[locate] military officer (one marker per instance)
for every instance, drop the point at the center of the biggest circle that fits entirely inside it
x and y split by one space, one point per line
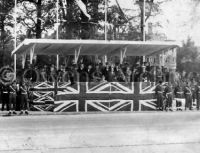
188 96
168 92
12 98
178 92
159 95
198 95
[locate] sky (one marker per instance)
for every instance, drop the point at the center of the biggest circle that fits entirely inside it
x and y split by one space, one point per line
179 19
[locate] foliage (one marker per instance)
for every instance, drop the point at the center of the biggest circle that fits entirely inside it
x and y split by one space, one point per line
6 43
187 57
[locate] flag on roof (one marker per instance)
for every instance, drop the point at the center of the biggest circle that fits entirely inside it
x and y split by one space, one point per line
83 8
121 11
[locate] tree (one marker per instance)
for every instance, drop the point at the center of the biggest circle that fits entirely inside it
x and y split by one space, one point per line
5 34
75 24
152 9
37 16
187 57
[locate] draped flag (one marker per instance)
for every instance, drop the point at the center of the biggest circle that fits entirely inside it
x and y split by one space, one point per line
121 11
83 8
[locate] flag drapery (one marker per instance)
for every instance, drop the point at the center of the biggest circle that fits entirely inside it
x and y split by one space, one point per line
121 11
83 8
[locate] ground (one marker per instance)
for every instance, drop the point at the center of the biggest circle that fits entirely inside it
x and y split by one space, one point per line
136 132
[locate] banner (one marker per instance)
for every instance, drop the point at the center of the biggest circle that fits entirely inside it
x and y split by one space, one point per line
83 8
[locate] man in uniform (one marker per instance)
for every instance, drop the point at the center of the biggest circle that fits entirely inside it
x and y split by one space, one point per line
198 95
24 100
193 89
5 97
12 98
178 92
168 92
21 98
159 95
188 96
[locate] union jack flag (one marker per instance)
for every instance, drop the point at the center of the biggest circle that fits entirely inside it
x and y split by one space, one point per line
102 96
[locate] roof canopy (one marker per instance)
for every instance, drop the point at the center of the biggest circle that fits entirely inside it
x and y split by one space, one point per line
92 47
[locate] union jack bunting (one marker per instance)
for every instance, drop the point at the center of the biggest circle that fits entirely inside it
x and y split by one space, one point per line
149 104
109 105
110 87
66 88
65 105
43 92
43 96
103 96
148 87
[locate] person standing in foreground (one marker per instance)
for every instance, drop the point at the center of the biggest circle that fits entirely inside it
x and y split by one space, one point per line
168 92
12 99
198 95
159 95
21 98
5 97
188 97
178 92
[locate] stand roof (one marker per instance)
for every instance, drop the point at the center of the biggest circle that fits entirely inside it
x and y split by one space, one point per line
92 47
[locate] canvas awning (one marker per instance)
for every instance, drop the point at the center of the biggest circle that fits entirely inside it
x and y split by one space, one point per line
91 47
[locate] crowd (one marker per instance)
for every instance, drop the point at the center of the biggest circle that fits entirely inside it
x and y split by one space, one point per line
110 72
188 90
17 96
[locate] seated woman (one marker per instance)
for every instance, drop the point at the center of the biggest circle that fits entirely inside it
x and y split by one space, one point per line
120 77
43 74
97 75
53 73
128 74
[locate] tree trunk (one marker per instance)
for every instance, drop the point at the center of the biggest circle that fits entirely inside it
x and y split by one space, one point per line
39 23
85 28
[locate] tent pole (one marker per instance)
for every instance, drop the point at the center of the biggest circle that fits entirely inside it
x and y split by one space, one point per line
121 57
106 59
143 34
106 12
57 20
15 45
15 66
57 62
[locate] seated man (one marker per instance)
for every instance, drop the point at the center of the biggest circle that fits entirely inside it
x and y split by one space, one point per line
97 75
120 77
83 76
128 74
90 72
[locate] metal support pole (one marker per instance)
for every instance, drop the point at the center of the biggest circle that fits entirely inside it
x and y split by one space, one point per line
143 35
15 42
106 16
57 62
57 26
144 6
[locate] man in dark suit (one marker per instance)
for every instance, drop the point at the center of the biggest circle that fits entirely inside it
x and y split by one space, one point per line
159 95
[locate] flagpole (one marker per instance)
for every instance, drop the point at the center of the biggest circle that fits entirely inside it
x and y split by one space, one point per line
143 34
57 35
57 20
144 6
106 18
15 41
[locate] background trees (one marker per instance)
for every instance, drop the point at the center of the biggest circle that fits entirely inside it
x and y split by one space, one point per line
188 57
6 26
37 19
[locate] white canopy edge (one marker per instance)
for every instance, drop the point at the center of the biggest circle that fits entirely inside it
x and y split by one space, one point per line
101 42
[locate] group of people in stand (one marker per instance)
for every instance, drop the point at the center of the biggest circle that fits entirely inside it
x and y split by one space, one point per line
15 97
110 72
184 89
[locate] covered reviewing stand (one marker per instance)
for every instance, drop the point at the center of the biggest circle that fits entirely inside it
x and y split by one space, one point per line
93 96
